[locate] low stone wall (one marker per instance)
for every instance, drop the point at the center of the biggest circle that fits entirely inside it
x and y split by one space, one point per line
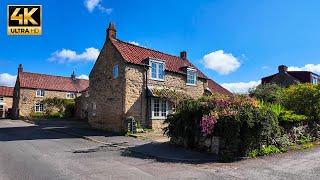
208 144
158 125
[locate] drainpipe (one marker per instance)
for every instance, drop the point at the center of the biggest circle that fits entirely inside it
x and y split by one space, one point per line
146 68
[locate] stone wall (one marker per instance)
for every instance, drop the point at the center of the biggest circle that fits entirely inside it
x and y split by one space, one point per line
28 99
106 93
82 106
136 102
207 144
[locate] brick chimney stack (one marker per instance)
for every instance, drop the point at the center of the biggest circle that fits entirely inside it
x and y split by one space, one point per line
183 55
20 69
282 69
73 76
111 31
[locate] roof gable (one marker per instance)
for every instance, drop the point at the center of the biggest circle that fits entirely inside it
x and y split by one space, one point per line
302 76
50 82
137 55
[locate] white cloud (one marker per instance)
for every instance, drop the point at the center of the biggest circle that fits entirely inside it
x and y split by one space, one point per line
83 76
69 56
221 62
315 68
241 87
134 43
92 4
7 79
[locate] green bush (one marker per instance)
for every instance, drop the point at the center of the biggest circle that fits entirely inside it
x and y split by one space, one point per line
254 153
305 139
284 116
270 93
307 146
267 150
58 108
264 151
303 99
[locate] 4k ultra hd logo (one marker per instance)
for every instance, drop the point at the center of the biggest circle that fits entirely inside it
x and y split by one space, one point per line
24 19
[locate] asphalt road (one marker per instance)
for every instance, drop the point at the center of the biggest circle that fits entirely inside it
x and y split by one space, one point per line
33 152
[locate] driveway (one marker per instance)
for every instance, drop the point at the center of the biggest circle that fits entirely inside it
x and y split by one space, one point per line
36 152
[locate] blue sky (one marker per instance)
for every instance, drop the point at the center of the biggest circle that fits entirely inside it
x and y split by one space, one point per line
233 42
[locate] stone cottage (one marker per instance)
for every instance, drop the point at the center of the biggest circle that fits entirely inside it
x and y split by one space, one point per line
285 78
31 88
125 76
6 94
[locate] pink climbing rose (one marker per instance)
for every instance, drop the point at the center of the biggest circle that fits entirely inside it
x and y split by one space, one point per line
207 124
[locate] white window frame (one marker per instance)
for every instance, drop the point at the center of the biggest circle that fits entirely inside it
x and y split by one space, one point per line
38 105
315 79
115 71
160 116
40 93
1 99
157 63
69 94
195 76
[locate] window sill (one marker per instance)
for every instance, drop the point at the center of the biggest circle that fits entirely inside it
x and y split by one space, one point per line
39 96
162 80
158 118
188 84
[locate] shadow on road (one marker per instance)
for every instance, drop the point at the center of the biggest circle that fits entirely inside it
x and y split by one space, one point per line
45 130
166 152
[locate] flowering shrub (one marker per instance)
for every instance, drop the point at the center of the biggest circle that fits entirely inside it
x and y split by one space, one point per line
207 124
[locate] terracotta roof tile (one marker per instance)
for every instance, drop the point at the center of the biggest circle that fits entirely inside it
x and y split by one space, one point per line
6 91
216 88
137 55
50 82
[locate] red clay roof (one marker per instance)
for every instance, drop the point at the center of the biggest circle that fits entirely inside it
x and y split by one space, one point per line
137 55
216 88
50 82
6 91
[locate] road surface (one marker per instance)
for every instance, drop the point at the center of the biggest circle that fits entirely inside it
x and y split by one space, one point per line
33 152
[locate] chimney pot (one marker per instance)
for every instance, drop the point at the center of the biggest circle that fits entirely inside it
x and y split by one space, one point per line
183 55
282 69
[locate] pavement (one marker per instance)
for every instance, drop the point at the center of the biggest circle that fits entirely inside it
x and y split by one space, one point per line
29 151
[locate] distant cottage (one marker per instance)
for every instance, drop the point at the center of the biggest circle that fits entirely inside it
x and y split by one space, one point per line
31 88
285 78
6 94
125 78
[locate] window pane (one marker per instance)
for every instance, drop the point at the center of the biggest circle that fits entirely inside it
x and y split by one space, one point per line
156 107
191 77
153 70
160 71
163 108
